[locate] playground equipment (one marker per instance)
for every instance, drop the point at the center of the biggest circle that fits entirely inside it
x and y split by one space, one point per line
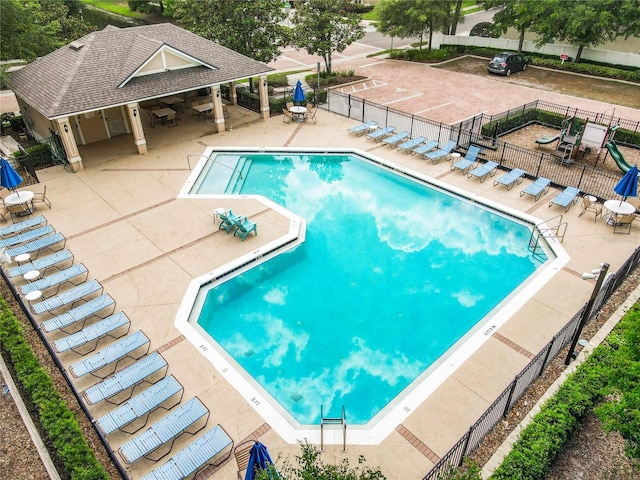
617 156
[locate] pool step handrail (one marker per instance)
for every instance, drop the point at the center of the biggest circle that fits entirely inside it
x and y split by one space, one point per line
342 421
557 231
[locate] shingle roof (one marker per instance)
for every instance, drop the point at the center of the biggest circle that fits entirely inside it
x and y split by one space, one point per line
69 81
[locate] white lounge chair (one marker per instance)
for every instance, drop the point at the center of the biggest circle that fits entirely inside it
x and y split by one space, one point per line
68 297
57 279
26 236
36 246
80 313
94 332
165 430
195 456
112 354
24 225
128 377
41 264
537 188
140 406
363 128
511 178
484 170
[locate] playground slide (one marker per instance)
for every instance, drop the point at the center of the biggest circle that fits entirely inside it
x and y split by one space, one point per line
617 156
547 140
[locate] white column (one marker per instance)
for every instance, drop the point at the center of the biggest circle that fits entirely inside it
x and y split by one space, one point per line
136 127
69 143
264 97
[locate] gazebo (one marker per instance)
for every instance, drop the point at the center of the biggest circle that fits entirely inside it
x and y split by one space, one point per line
92 89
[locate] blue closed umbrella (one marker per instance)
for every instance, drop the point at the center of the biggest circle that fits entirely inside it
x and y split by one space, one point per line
628 184
298 93
259 459
9 178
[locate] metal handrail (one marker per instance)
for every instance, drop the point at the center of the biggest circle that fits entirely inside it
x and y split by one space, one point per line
342 421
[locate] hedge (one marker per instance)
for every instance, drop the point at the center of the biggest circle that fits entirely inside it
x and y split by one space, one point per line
57 420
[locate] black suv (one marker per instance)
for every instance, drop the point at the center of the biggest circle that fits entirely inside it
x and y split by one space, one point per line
506 63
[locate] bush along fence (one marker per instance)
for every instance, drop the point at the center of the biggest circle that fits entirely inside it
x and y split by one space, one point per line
485 131
589 179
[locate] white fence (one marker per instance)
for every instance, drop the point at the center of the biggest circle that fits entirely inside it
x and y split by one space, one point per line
603 56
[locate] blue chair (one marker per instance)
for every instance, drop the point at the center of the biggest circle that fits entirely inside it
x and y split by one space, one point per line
244 226
26 236
41 264
35 246
409 145
427 147
195 456
57 279
363 128
465 164
537 188
80 313
395 139
140 406
23 225
112 354
68 297
483 171
165 430
128 377
566 198
378 135
511 178
228 221
94 332
442 153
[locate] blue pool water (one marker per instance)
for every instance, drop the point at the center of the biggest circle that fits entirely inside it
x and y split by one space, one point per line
392 273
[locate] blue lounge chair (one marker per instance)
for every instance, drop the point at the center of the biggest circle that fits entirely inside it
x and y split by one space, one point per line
483 171
363 128
537 188
27 236
442 153
112 354
427 147
140 406
57 279
68 297
228 221
80 313
94 332
128 377
511 178
195 456
35 246
465 164
395 139
244 226
41 264
566 198
409 145
23 225
378 135
165 430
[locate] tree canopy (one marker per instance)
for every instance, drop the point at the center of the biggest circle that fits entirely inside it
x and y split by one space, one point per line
33 29
249 27
323 27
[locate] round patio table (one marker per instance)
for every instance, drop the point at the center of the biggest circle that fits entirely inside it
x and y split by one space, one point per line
616 207
299 112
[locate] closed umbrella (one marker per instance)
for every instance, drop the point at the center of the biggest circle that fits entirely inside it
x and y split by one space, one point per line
628 184
259 459
9 178
298 93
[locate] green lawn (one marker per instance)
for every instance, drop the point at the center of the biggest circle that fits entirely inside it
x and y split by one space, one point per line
114 6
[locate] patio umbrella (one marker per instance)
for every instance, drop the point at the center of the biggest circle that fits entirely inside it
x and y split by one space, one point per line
298 93
259 459
9 178
628 184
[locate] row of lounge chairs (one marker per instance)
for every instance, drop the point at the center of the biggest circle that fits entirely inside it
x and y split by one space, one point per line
79 315
240 225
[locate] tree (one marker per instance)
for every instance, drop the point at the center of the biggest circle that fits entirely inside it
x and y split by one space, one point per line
32 29
457 16
323 27
411 18
249 27
519 14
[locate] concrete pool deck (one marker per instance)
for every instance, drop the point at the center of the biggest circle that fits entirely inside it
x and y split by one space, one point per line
123 221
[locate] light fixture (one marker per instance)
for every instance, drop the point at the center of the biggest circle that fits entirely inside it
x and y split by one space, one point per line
218 94
600 274
135 112
66 128
264 83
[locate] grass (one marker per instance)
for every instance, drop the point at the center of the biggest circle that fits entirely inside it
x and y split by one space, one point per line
114 6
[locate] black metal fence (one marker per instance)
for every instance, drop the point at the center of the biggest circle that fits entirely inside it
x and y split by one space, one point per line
589 179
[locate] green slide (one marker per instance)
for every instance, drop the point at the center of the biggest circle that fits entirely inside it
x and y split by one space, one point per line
617 156
547 140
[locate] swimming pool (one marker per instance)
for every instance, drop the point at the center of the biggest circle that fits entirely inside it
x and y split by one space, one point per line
414 281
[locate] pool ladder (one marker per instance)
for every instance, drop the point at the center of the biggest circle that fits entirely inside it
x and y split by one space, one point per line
342 421
558 231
